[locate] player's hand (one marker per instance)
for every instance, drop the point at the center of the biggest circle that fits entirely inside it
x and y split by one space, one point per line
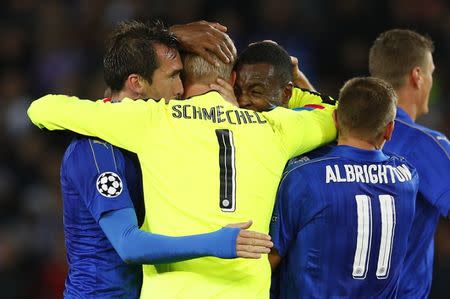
206 39
300 79
251 244
226 90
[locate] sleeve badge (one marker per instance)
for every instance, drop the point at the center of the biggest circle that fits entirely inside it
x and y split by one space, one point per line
109 184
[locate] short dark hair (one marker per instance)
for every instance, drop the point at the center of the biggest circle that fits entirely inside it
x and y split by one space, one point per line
269 53
395 52
130 50
366 106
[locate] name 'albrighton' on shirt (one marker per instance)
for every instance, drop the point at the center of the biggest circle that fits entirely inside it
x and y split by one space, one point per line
373 174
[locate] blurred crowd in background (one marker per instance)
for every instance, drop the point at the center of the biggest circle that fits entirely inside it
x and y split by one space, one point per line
57 47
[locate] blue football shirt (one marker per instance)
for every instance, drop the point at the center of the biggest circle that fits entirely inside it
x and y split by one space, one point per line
341 223
97 178
429 152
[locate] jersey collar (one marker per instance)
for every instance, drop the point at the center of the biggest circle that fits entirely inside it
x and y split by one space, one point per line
402 115
353 153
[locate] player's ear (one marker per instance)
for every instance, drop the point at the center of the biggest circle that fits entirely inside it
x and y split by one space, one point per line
335 119
133 83
389 130
287 93
233 78
416 77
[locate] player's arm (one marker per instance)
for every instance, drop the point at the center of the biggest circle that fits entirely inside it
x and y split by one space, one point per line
136 246
305 130
122 124
434 172
304 98
97 172
303 93
274 259
206 39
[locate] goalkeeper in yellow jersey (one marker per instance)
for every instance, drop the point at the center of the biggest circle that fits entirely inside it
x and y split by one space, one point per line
205 163
100 183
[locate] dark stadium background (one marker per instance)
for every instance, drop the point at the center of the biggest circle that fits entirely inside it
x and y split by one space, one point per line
56 47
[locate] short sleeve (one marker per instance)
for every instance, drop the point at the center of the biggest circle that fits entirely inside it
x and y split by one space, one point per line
96 170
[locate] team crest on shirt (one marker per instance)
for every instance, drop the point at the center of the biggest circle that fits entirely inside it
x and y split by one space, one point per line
109 184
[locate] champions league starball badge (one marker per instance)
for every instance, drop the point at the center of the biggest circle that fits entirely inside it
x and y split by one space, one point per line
109 184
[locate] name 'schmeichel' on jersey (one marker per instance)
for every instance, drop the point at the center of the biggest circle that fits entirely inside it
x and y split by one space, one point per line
218 114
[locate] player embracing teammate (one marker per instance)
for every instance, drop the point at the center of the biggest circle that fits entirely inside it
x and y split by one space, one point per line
343 213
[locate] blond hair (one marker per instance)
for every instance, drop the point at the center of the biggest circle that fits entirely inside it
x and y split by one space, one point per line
198 70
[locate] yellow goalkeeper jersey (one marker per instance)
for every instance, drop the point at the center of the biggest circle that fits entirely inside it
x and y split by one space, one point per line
205 163
304 97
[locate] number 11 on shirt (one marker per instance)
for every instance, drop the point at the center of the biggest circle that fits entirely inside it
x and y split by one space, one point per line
364 237
227 166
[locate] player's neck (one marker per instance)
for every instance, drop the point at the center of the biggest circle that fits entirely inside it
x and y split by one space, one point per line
195 89
118 96
358 143
406 102
410 109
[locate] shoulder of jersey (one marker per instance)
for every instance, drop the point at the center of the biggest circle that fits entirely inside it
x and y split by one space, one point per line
88 143
99 144
424 134
318 155
395 156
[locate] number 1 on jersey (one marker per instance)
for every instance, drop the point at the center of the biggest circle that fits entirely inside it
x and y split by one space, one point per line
364 236
227 166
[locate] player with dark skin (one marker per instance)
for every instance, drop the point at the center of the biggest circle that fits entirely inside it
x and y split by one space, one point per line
258 86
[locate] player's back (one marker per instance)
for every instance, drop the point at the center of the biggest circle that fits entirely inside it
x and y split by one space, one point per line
429 152
95 268
341 224
215 185
227 163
